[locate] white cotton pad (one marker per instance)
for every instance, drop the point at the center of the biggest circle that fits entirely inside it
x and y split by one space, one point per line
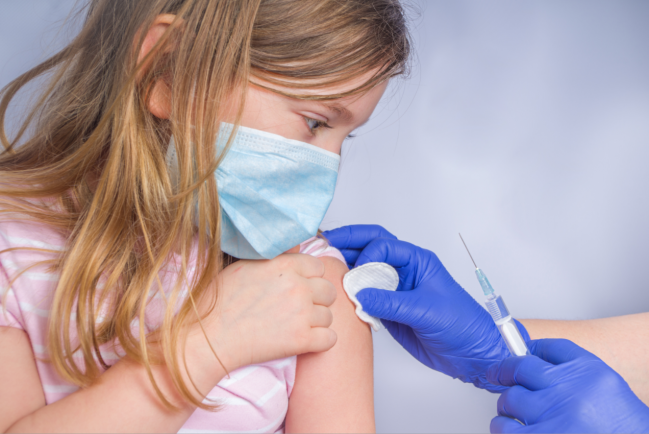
371 275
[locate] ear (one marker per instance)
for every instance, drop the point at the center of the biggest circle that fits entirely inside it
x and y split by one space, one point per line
159 102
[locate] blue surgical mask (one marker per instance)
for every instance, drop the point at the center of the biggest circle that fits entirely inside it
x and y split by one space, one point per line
274 192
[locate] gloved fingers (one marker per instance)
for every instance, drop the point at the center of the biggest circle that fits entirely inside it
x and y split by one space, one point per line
413 264
389 305
519 403
400 332
389 250
356 236
502 424
527 371
557 351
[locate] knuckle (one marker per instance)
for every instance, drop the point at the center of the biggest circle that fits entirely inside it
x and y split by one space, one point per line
330 291
505 401
607 379
501 403
284 262
333 338
330 338
319 265
303 338
329 317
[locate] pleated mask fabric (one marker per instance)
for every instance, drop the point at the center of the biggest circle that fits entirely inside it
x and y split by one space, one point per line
273 191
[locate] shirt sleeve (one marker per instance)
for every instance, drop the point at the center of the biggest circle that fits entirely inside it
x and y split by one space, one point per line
9 306
319 247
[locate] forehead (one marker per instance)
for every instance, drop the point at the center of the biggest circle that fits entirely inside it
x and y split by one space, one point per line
317 90
347 108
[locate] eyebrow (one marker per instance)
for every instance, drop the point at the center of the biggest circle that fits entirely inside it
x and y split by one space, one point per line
340 111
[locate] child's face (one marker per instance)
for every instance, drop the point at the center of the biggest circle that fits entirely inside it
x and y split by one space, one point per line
322 124
309 121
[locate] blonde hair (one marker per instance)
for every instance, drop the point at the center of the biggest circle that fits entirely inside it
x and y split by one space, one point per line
89 159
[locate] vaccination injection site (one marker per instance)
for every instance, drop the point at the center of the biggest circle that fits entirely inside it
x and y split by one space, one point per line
280 215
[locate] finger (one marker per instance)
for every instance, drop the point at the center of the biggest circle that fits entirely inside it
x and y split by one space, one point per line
305 265
321 316
356 236
505 424
321 339
391 251
557 351
400 332
323 291
527 371
388 305
410 261
519 403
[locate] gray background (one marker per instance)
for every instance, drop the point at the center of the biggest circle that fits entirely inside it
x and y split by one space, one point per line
525 125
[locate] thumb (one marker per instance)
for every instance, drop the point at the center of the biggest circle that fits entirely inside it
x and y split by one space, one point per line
527 371
505 424
558 351
389 305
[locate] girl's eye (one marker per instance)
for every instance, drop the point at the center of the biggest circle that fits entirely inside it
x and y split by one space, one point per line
315 124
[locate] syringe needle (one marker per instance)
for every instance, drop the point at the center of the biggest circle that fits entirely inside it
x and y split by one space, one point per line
467 250
500 314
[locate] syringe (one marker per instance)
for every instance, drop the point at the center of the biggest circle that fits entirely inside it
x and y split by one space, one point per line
500 314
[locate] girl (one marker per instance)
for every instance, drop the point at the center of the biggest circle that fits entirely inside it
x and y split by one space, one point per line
125 307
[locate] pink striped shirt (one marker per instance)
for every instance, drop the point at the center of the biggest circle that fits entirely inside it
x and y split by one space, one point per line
255 397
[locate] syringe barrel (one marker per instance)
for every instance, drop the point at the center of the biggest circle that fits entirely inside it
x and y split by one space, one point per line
506 325
496 307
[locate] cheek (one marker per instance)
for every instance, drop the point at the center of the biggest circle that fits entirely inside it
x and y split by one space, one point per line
329 142
336 147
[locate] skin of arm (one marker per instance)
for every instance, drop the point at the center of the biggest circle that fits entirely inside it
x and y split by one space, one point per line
621 342
334 390
123 400
290 315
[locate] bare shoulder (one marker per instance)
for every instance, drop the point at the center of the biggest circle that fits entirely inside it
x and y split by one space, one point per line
345 319
333 390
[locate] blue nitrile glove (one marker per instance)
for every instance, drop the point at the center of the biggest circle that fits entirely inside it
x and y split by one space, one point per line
430 315
564 389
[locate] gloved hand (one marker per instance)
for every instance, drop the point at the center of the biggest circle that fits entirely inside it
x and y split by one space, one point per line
564 389
430 315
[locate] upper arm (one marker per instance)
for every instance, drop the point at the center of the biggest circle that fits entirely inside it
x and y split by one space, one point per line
334 390
21 392
622 342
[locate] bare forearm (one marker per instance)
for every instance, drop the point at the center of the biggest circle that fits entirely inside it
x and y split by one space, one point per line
622 342
123 400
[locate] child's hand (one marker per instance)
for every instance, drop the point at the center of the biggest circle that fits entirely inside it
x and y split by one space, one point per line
267 310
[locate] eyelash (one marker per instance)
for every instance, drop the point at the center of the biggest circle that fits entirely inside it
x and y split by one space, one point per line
320 124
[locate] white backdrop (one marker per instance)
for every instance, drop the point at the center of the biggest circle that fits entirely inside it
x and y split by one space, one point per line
525 125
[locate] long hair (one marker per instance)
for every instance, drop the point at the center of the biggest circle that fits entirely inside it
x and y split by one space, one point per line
89 158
